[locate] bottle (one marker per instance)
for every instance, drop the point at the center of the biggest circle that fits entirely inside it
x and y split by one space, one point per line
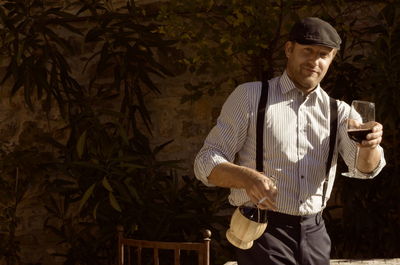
247 224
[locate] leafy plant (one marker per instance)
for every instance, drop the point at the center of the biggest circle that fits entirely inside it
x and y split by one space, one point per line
227 41
127 46
108 171
113 180
20 169
35 53
106 161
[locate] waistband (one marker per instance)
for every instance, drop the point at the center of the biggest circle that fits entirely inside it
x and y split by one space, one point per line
272 217
282 218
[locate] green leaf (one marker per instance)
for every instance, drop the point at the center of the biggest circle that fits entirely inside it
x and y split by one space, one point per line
114 203
71 28
123 134
107 185
86 196
158 148
28 88
80 145
105 56
95 210
51 35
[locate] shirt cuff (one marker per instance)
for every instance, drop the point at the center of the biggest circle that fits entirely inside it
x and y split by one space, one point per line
205 164
376 171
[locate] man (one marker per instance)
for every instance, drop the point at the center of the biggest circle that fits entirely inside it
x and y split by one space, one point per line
296 146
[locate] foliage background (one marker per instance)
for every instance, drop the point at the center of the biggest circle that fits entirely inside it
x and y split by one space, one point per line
95 160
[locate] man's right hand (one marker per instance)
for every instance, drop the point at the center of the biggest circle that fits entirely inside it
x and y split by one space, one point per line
260 188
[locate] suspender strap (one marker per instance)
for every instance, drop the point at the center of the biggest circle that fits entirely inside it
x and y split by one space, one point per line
260 134
262 104
332 140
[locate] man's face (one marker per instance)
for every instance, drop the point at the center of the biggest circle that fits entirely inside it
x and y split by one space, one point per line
307 64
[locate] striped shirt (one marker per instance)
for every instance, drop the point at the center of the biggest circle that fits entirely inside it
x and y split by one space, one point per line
296 143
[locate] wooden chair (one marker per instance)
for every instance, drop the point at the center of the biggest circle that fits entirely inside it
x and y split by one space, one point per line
126 245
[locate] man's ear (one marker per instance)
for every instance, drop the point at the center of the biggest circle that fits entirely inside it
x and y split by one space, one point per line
334 53
289 46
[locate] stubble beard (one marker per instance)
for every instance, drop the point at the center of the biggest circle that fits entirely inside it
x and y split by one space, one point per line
303 82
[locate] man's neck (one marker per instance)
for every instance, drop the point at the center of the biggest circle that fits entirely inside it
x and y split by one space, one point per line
304 90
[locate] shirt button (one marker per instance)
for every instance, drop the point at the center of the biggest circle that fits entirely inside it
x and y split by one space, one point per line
302 177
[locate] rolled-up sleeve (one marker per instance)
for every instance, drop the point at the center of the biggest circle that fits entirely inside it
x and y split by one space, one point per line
376 171
226 137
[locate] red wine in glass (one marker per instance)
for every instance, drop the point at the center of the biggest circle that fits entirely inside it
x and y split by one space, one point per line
359 124
359 135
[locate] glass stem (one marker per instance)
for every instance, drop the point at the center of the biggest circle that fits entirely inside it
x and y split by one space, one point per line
355 161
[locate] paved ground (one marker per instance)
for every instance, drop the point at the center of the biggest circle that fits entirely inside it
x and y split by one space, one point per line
367 262
353 262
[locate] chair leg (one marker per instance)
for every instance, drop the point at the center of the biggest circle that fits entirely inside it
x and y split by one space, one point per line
156 258
177 257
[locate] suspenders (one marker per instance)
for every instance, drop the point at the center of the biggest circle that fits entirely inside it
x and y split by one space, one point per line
262 105
260 134
332 140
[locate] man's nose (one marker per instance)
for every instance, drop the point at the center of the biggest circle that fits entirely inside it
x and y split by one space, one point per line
313 59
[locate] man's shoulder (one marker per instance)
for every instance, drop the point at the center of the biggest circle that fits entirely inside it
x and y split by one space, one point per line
247 90
250 85
257 84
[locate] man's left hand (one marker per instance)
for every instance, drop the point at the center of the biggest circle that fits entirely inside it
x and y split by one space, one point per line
374 138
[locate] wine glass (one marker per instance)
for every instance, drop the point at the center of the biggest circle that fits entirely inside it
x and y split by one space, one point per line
359 125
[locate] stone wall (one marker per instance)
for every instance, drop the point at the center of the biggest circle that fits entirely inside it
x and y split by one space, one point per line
186 123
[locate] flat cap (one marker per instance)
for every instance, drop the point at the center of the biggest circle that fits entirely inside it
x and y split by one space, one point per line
315 31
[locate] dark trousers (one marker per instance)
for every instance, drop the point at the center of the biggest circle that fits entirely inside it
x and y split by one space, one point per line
289 240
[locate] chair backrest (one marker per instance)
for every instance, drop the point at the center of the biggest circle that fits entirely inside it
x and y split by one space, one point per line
128 248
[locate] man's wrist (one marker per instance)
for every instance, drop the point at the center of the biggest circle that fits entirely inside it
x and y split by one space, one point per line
368 159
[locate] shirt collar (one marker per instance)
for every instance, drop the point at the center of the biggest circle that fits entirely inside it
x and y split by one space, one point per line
287 85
